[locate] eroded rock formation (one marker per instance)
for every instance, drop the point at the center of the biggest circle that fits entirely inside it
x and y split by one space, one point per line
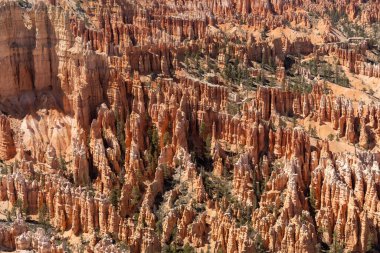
153 126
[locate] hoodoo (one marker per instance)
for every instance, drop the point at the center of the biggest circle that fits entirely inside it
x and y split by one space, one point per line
229 126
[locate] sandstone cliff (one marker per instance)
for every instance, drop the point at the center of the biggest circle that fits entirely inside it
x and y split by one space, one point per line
214 126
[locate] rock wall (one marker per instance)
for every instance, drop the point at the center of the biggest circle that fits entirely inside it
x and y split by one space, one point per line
104 129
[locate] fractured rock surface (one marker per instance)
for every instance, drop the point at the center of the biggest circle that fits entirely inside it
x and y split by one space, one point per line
201 126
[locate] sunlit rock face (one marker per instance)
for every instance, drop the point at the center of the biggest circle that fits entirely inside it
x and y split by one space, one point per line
199 126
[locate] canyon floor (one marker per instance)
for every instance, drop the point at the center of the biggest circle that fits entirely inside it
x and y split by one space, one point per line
224 126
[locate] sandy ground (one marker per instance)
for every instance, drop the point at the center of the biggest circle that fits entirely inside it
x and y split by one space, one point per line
359 84
323 132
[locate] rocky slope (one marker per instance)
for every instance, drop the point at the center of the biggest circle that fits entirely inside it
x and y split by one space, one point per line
189 126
